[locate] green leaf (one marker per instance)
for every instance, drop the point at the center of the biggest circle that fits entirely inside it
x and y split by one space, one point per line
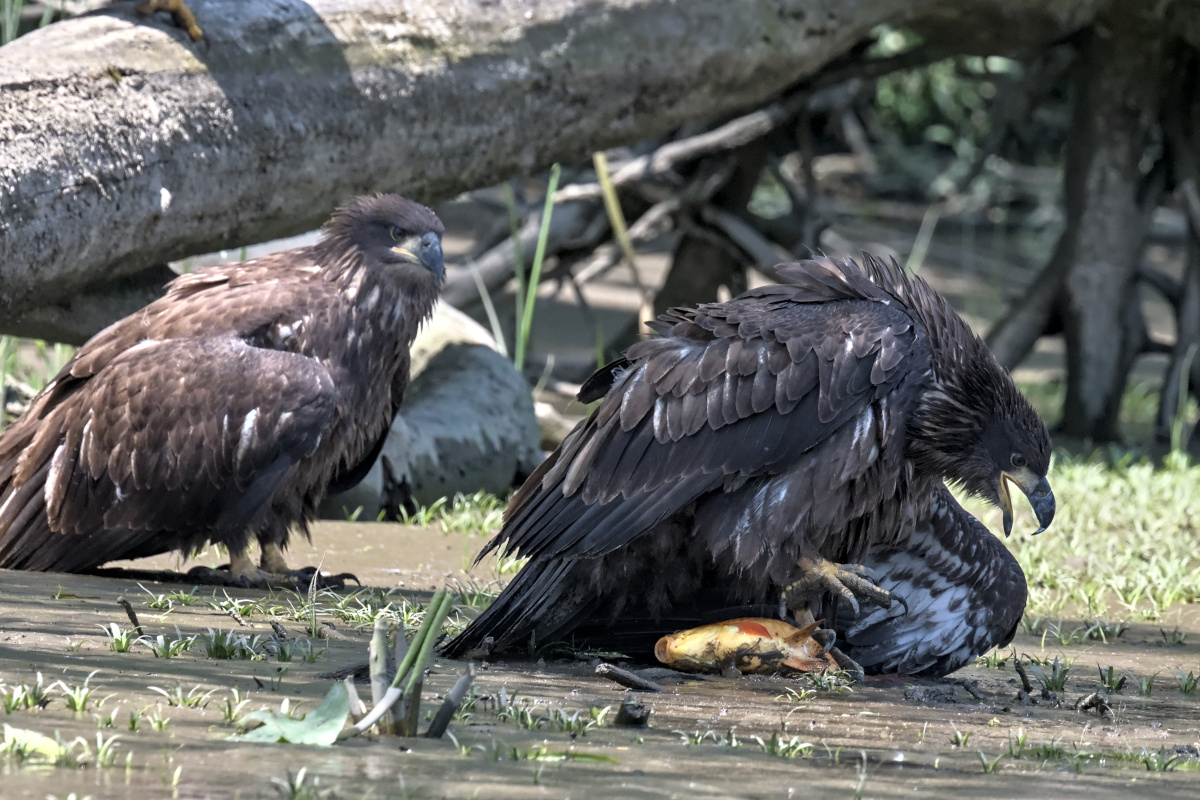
30 745
320 727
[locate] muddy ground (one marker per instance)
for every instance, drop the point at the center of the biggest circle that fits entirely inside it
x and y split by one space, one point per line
884 729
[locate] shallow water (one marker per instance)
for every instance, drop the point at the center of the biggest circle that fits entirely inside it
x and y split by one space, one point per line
906 745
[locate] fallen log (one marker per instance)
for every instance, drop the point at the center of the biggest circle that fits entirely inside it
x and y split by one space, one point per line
123 145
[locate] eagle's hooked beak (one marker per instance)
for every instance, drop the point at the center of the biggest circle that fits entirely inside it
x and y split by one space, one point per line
425 250
1036 489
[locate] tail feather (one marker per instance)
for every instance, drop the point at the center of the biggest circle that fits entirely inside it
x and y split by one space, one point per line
28 542
534 607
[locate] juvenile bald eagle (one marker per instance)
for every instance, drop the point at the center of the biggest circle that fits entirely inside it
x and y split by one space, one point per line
788 447
224 411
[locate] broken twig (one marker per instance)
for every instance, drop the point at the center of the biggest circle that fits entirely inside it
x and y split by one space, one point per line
137 626
453 700
627 678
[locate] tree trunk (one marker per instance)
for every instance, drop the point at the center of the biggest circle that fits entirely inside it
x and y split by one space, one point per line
79 317
1117 92
1181 126
123 146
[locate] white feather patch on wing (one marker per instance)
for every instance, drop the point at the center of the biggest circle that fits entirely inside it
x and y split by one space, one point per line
247 435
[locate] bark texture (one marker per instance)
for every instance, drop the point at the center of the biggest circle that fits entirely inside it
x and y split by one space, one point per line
122 145
1116 113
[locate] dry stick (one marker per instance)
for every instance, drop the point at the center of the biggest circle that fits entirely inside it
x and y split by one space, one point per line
734 133
400 646
644 228
418 652
707 183
453 700
377 666
765 253
971 687
1025 684
358 708
627 678
137 626
410 714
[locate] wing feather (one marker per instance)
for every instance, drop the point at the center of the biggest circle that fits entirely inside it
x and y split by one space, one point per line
782 381
120 464
965 594
615 459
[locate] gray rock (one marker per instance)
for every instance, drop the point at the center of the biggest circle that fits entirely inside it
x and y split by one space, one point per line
467 423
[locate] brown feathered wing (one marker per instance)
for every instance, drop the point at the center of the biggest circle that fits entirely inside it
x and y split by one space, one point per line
117 459
730 394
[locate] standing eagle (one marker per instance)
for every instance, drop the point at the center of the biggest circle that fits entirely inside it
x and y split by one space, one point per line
788 447
224 411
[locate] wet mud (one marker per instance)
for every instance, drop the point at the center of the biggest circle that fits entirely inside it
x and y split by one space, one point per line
892 737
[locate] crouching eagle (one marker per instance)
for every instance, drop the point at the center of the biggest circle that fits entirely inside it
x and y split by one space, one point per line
224 411
788 447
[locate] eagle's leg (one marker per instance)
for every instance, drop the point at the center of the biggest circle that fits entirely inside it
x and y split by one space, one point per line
271 572
848 664
181 15
827 637
272 559
847 581
274 571
243 571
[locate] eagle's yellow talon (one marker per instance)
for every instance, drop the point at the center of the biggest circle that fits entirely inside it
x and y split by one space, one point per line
847 581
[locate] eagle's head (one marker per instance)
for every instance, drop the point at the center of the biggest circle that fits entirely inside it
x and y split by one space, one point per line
390 232
1013 447
977 430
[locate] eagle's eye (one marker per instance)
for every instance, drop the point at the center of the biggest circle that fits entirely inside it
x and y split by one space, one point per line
396 233
1018 460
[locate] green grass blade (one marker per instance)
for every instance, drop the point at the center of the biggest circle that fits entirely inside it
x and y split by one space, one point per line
438 612
490 310
924 236
421 635
514 229
535 272
612 205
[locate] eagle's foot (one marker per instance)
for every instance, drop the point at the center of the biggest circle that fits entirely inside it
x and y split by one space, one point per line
302 579
273 573
274 568
181 16
299 580
847 581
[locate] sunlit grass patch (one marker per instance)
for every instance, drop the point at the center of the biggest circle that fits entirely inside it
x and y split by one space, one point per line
478 514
